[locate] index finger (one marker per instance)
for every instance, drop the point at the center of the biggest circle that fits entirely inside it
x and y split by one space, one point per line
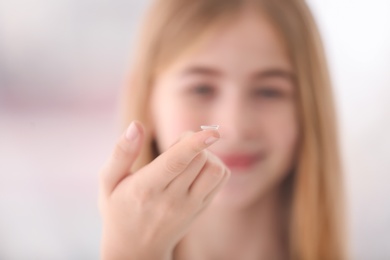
177 158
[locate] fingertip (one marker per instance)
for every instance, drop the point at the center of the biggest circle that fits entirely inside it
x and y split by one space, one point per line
139 125
123 156
228 173
134 131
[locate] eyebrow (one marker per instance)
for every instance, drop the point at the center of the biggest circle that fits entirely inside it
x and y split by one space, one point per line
264 74
201 70
275 73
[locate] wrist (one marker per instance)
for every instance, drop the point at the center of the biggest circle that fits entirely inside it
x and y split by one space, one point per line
113 248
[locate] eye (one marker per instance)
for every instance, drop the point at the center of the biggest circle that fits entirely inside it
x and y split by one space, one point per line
203 90
267 92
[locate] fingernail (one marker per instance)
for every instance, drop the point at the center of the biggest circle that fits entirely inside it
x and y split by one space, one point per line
211 140
132 132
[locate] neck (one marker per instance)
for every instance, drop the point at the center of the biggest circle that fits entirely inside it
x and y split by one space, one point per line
256 232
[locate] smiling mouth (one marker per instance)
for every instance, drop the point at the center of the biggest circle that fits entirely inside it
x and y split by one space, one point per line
240 161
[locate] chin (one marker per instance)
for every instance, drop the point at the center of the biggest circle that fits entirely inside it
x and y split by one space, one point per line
232 198
246 190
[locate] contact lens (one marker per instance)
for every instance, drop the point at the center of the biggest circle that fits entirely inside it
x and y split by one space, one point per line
209 127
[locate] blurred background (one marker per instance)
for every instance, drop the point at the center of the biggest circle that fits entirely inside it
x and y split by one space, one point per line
62 64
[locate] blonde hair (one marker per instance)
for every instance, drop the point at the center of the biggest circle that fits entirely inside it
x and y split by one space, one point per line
175 26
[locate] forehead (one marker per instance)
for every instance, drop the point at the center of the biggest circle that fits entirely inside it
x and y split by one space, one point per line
249 43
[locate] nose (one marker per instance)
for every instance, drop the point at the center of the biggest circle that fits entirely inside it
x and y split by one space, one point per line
235 118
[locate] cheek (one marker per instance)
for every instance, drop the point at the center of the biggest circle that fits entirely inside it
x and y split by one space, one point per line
282 137
171 118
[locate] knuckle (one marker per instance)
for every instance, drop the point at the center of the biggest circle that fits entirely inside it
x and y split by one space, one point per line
142 195
201 158
195 202
121 151
216 169
174 167
170 206
197 147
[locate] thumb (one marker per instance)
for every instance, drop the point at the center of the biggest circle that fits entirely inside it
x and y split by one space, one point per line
125 153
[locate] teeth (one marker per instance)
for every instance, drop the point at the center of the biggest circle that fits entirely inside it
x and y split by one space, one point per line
208 127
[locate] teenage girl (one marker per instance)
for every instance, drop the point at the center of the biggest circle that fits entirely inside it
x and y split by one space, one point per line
267 183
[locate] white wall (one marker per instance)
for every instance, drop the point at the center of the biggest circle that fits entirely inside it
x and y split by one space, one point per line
61 65
357 38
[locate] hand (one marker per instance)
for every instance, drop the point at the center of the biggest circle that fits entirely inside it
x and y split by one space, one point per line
146 213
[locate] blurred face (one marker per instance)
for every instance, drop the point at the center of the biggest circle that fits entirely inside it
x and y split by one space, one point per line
241 79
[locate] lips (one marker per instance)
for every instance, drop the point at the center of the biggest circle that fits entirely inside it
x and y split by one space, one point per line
240 161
